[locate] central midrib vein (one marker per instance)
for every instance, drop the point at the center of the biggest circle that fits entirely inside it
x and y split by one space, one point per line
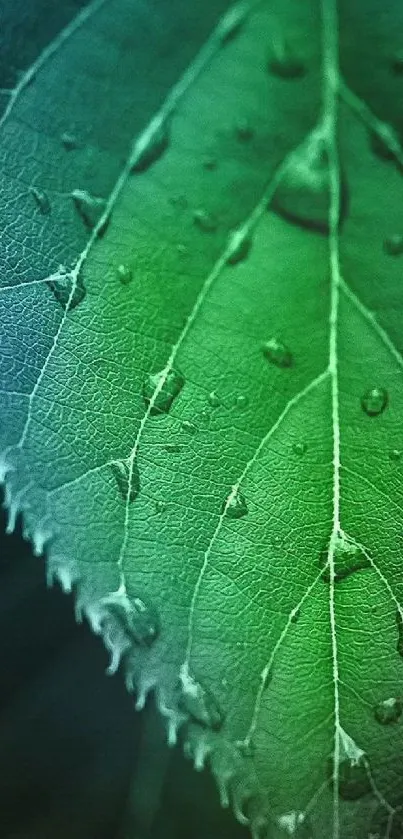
330 115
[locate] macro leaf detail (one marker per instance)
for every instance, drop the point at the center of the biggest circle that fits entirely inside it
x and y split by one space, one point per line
201 387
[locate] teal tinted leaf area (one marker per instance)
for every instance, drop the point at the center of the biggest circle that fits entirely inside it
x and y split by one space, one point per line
201 364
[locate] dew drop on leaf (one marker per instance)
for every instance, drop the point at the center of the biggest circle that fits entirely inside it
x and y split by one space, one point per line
395 454
89 208
139 617
161 402
299 448
244 131
303 194
125 274
189 426
239 246
284 63
347 557
172 447
41 200
62 287
295 615
121 471
393 245
199 702
234 507
160 506
69 141
374 401
205 221
213 399
353 769
388 710
209 163
151 147
278 353
241 401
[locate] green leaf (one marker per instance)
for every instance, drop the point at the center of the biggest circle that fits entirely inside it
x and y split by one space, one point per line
202 381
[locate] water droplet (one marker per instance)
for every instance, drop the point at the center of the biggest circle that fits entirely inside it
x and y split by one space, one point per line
151 146
69 141
171 388
172 447
41 200
160 506
239 246
354 778
121 471
125 274
399 623
209 163
199 702
278 353
89 208
294 824
299 448
395 454
374 401
189 426
244 131
388 710
62 286
348 558
139 617
283 63
235 506
393 245
295 615
213 399
241 401
205 221
230 26
304 192
384 142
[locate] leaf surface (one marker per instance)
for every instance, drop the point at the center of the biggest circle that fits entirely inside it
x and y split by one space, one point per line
201 381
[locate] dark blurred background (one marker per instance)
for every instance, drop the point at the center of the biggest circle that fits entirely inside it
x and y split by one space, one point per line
73 751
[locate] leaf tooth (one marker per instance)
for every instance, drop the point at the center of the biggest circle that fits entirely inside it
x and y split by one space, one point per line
174 719
40 538
13 505
232 776
62 570
198 746
144 688
7 465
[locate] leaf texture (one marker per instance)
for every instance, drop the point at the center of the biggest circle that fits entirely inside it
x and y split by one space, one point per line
202 381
